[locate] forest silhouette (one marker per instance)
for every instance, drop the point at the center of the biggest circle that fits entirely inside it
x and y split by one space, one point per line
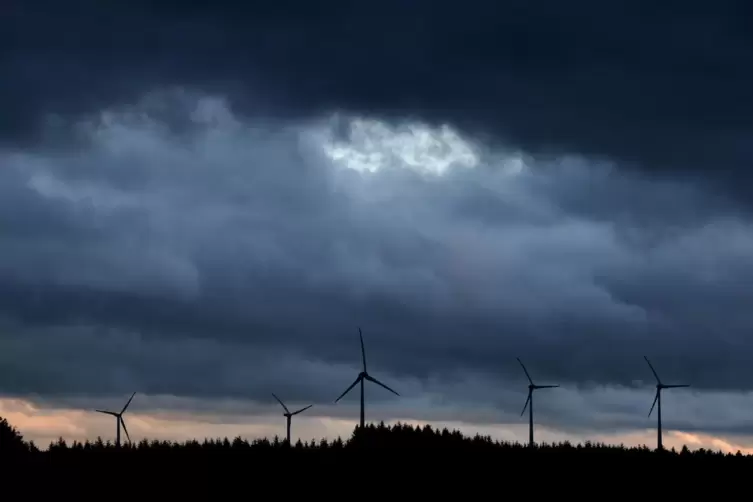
380 436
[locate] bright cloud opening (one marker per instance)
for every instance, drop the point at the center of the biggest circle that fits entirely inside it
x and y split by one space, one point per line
371 145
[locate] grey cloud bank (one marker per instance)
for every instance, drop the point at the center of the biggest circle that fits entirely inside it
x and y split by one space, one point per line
229 258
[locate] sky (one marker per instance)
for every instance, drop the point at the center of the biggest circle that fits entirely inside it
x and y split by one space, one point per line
203 204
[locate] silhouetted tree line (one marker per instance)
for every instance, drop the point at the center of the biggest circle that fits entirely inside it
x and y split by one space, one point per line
12 442
375 437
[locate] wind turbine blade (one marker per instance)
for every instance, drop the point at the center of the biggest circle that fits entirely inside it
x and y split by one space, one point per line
107 412
372 379
129 402
363 350
652 406
302 410
546 386
348 389
526 405
675 386
281 403
125 429
658 380
524 369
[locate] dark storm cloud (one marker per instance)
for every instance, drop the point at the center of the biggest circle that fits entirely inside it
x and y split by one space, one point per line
234 259
206 254
655 84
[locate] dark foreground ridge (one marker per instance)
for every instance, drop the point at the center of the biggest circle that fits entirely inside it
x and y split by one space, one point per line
411 461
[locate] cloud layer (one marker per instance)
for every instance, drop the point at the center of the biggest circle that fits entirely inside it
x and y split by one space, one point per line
204 203
184 250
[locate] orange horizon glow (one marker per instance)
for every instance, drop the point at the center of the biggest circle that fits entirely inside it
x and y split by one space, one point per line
44 426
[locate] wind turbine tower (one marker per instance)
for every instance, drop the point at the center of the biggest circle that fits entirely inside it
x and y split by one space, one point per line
657 400
529 402
119 421
288 415
362 376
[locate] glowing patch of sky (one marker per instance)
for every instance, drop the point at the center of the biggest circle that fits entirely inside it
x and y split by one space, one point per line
372 145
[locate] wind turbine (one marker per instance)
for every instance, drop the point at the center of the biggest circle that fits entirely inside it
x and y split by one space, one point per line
657 399
119 420
529 402
363 375
289 415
